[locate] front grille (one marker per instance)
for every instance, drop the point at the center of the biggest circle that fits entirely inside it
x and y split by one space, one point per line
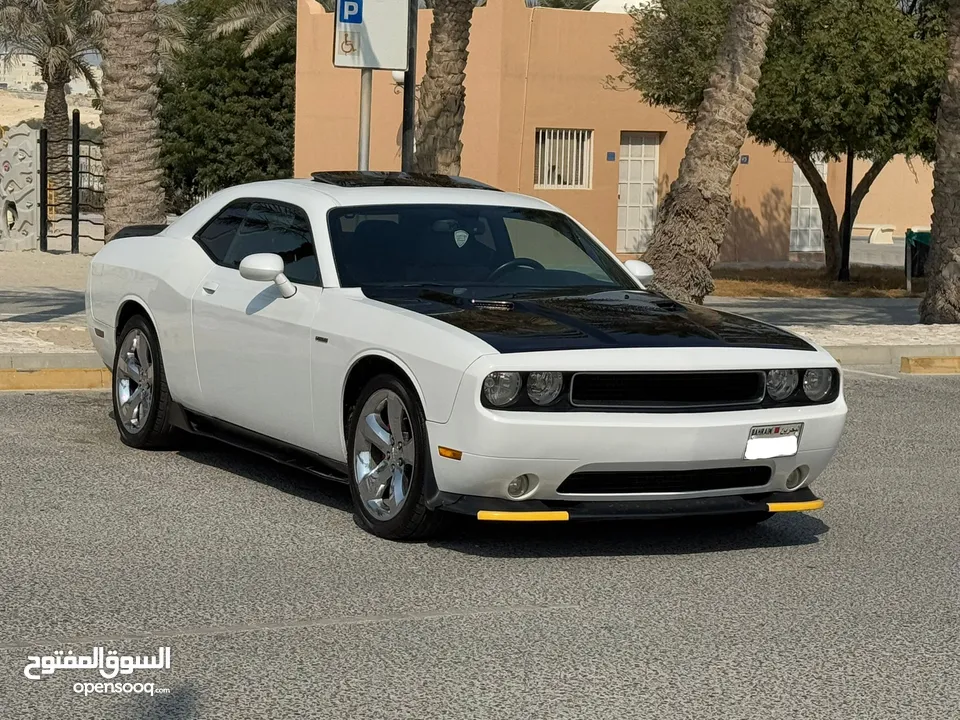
660 481
667 391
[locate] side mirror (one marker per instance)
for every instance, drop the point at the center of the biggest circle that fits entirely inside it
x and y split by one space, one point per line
640 270
267 267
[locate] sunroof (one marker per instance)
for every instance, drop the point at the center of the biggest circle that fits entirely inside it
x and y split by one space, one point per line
358 178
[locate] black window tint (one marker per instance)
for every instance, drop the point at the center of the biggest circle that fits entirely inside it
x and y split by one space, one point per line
217 236
280 229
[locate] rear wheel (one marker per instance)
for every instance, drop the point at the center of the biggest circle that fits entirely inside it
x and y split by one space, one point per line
390 462
141 401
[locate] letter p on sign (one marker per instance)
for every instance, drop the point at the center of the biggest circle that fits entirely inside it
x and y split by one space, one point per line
351 11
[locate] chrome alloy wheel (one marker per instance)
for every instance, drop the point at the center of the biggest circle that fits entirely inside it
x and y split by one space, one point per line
133 382
384 454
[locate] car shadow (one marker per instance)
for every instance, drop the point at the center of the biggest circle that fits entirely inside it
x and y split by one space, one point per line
468 536
251 466
681 536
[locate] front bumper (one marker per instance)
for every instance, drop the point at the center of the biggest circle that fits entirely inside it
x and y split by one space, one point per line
540 511
492 448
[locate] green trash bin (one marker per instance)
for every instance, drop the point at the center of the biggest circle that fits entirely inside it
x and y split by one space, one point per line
915 252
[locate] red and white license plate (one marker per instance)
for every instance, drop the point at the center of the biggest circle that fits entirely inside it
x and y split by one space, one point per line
773 441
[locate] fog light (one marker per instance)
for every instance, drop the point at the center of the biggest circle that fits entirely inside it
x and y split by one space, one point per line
518 486
796 477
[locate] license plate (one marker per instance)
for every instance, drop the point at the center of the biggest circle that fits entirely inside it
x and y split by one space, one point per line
773 441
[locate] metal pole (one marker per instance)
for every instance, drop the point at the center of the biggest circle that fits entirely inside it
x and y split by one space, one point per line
366 96
410 89
75 188
44 189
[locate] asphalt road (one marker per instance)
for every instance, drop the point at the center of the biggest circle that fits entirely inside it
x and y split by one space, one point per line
276 606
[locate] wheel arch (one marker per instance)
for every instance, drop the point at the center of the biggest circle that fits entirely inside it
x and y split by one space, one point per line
126 309
362 369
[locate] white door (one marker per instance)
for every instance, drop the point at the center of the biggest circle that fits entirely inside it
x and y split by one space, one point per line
253 355
637 203
806 230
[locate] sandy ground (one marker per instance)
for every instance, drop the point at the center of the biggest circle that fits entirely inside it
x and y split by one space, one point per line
16 108
33 269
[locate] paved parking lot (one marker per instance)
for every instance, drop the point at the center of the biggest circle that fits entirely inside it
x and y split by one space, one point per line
276 606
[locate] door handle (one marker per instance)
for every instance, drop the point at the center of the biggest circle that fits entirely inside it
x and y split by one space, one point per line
210 287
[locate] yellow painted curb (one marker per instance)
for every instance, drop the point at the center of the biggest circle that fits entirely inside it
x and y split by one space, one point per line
930 365
55 379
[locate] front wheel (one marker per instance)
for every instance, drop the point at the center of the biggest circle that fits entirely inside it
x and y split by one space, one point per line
390 462
141 401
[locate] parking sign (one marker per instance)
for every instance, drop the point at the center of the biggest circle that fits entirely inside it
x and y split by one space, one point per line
371 34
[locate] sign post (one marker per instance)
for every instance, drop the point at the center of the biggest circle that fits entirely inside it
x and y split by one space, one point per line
370 35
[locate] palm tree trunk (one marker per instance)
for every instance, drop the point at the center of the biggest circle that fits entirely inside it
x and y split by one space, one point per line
692 219
442 95
133 192
941 304
57 122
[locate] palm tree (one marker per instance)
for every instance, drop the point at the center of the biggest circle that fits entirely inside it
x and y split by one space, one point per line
692 219
131 142
442 93
62 37
260 20
941 304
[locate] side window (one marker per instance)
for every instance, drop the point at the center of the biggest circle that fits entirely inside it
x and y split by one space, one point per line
218 234
554 249
270 227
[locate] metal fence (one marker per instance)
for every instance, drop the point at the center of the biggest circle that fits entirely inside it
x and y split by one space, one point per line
73 188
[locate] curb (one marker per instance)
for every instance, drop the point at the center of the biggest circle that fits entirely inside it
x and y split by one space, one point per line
55 379
930 365
889 354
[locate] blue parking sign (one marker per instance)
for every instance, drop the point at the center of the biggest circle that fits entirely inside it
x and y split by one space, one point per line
351 12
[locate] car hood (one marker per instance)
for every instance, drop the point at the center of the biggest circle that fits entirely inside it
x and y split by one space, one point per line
613 319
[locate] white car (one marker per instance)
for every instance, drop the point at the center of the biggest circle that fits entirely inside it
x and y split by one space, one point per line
444 347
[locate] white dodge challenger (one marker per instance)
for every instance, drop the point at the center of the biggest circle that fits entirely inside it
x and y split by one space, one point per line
444 347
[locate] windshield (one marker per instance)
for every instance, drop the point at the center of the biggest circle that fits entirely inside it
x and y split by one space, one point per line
491 251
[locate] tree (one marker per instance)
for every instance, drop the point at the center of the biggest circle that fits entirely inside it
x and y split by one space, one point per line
133 193
692 219
260 21
874 95
442 94
941 304
61 36
226 118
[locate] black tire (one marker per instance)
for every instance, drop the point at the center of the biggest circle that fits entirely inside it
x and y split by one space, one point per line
154 430
413 520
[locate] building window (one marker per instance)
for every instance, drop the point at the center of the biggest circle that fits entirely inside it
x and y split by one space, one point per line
563 159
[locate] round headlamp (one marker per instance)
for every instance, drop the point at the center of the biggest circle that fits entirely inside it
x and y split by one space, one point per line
501 388
544 387
782 383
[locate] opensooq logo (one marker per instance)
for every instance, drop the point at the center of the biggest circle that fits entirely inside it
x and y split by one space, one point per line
109 663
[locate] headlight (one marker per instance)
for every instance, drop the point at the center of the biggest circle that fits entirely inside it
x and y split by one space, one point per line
544 387
782 383
817 384
501 388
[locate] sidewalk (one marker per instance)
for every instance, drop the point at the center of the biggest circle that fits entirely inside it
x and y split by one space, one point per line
42 321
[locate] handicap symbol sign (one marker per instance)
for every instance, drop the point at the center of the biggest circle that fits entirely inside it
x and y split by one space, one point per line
351 11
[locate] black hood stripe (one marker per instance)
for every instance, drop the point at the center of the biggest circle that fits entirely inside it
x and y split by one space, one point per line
613 319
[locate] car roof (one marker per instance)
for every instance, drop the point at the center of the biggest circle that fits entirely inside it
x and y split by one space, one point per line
356 188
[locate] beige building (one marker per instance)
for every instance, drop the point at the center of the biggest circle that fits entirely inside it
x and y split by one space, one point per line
19 72
541 120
